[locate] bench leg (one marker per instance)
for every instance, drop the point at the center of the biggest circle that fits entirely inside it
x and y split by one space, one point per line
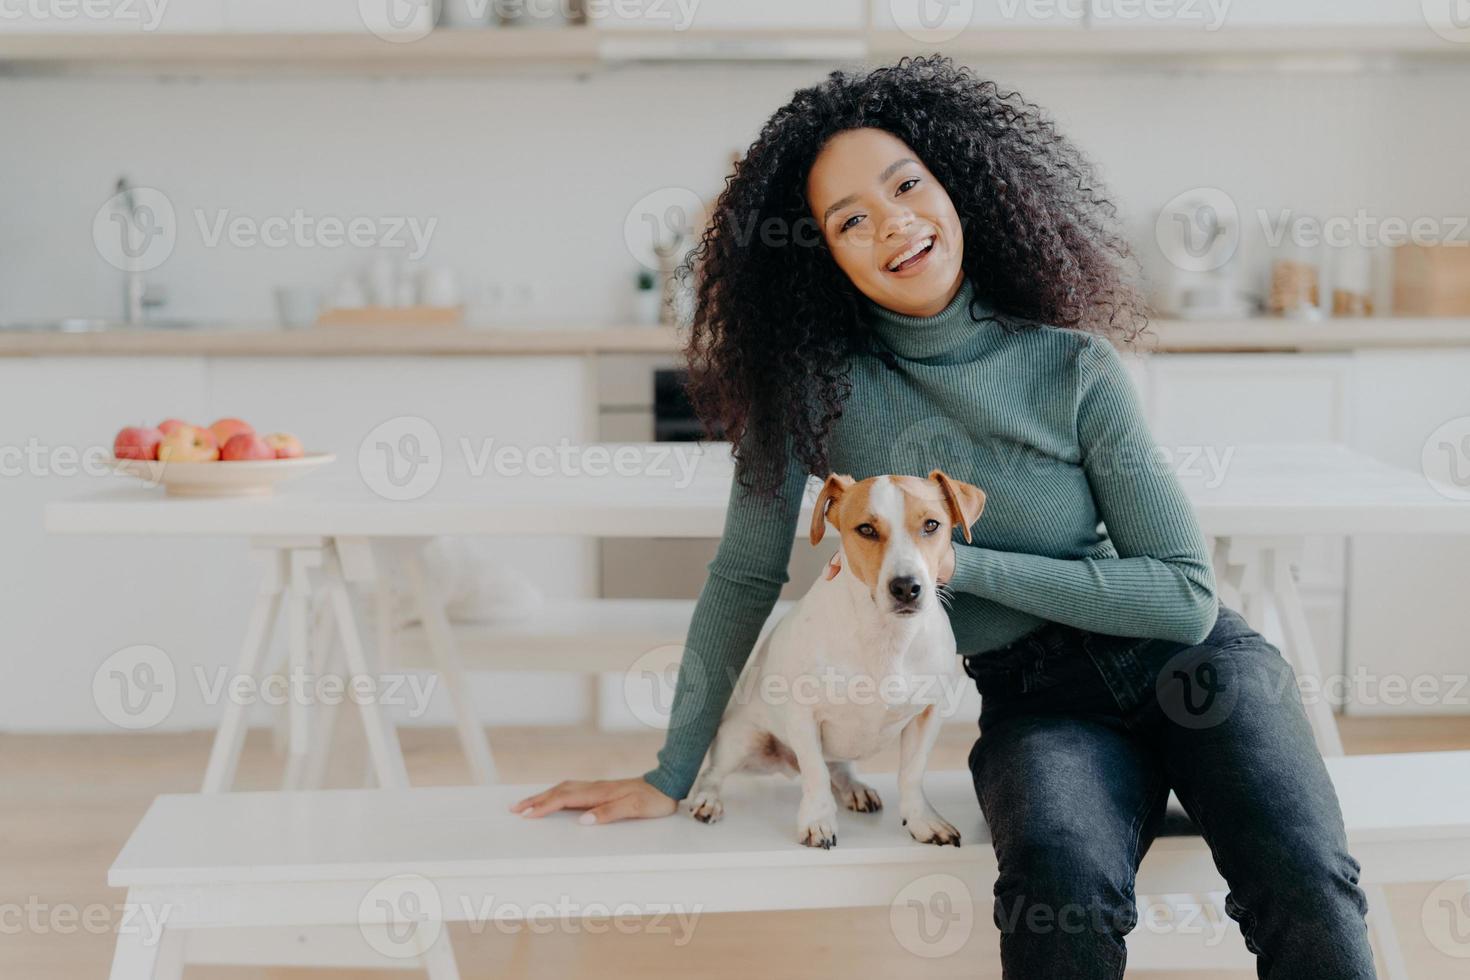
440 634
138 956
382 738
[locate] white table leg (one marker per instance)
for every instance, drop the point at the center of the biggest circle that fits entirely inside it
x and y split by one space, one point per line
224 756
382 738
299 651
325 661
440 635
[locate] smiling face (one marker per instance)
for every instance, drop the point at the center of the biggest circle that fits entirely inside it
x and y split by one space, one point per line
895 531
889 223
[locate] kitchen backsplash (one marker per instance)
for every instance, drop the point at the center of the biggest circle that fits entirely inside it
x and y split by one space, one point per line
522 185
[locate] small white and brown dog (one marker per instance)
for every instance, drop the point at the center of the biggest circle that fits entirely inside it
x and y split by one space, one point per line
864 656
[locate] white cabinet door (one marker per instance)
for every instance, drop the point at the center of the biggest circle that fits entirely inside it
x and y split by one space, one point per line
70 602
682 15
1407 630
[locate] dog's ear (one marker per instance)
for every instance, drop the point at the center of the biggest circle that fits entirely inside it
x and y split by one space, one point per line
964 501
832 492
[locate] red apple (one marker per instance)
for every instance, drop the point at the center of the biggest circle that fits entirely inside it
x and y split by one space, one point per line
246 445
285 445
136 442
189 444
225 429
169 426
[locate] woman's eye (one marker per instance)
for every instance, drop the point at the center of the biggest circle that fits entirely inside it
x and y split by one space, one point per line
907 184
849 223
930 526
867 530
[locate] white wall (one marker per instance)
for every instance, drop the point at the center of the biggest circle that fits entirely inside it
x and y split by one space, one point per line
530 179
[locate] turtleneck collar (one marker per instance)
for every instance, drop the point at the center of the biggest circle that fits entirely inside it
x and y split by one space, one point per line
923 337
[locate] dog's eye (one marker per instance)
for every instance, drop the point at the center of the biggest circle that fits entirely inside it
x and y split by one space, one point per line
867 530
930 526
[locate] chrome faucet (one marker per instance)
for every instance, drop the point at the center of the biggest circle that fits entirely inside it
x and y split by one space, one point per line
138 296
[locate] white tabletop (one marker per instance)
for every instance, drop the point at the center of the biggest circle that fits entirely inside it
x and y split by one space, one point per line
1265 489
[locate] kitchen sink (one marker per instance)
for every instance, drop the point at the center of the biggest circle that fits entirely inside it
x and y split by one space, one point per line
91 325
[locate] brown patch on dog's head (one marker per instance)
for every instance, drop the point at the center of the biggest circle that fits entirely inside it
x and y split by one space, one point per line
872 514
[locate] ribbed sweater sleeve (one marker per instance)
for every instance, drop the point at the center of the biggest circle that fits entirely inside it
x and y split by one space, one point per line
1162 583
745 579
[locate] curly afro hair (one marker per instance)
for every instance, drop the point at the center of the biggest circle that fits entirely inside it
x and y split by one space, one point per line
775 321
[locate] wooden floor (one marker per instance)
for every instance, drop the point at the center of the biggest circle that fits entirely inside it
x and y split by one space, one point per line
67 803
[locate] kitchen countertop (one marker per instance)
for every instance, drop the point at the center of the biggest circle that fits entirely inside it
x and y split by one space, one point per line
264 341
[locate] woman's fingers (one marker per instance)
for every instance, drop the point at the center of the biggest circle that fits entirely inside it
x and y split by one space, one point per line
577 796
539 798
621 808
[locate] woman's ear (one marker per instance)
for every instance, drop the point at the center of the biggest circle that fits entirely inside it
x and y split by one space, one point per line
831 493
964 501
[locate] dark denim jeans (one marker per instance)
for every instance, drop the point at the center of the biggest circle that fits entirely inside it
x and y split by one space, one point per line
1082 735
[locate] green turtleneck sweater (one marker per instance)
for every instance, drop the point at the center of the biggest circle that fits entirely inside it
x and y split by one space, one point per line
1084 524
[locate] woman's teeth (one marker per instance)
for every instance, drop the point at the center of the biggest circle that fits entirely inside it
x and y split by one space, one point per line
919 249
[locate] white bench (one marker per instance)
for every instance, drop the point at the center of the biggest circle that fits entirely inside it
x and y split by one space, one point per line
369 877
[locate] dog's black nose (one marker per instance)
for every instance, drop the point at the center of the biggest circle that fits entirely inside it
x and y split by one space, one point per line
904 589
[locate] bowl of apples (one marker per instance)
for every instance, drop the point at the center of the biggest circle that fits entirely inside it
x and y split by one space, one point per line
226 459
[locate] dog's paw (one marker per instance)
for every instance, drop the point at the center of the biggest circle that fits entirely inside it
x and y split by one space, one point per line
706 807
816 824
860 797
930 828
821 833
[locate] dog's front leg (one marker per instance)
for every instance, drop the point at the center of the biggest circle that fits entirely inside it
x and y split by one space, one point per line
919 816
816 818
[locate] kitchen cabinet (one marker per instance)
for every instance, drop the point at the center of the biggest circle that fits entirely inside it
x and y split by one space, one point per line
1406 599
69 602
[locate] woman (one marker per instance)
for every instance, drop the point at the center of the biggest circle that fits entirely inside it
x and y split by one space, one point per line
911 269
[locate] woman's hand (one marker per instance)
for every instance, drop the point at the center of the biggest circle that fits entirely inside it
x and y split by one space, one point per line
946 565
605 800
